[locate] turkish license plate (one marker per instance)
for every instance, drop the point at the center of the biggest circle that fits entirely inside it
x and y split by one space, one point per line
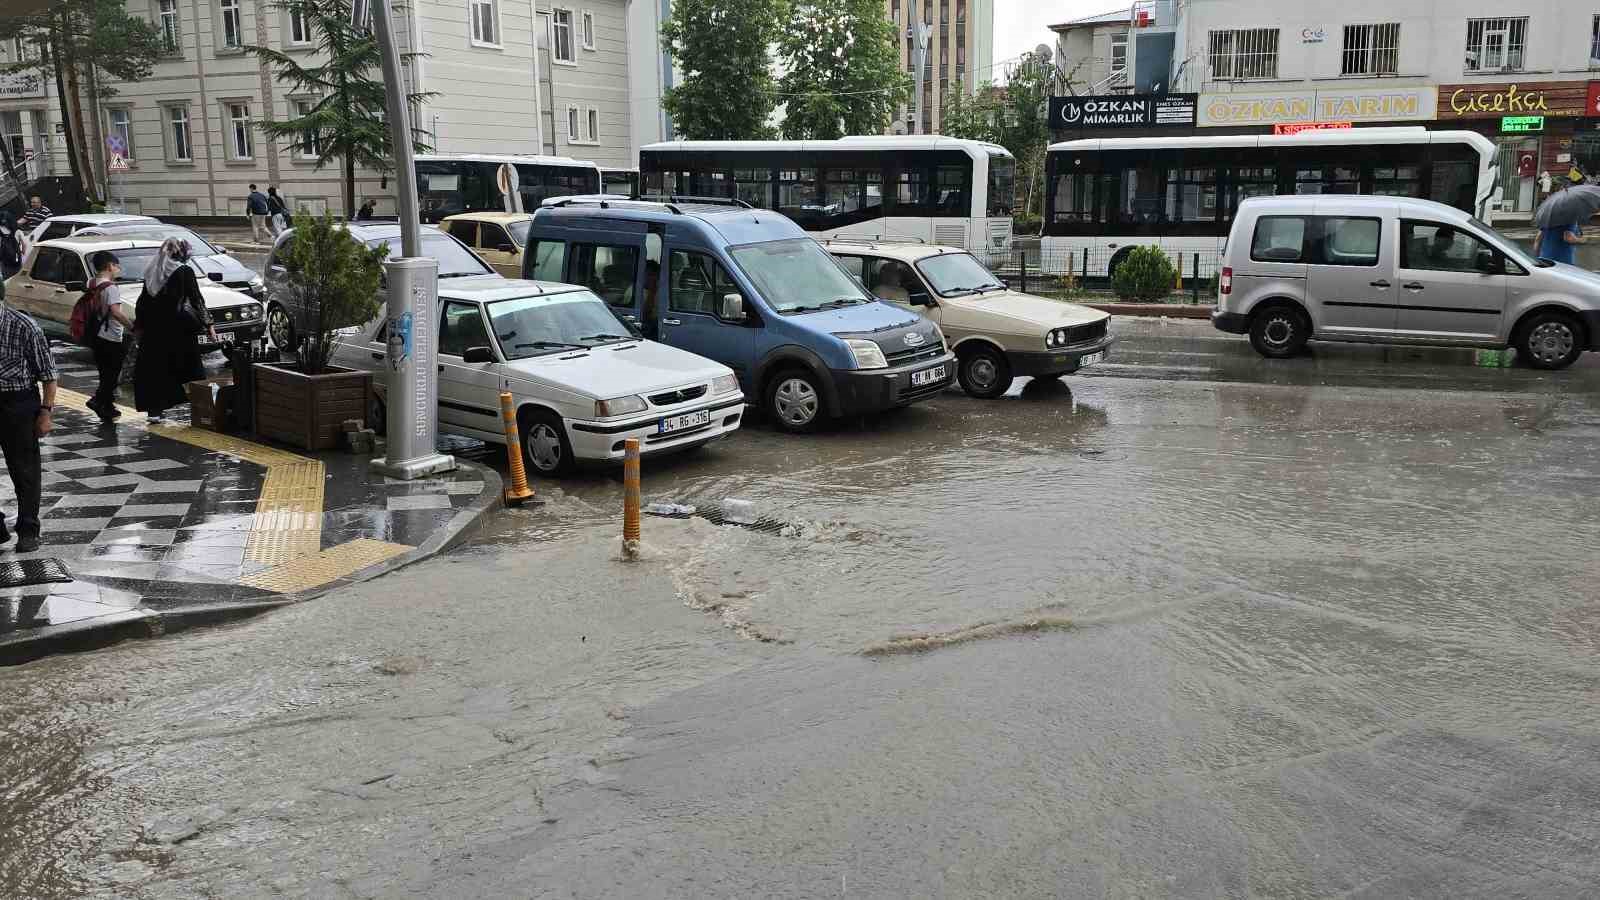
927 376
687 420
1091 359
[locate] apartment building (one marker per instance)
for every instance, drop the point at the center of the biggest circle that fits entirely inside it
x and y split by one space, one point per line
960 52
506 77
1091 54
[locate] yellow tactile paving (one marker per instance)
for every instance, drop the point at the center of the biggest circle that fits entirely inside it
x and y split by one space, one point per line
80 402
235 447
329 565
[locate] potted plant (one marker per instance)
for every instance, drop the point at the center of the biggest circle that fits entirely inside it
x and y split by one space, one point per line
335 279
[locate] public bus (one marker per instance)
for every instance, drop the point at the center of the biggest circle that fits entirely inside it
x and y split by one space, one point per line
927 188
619 182
453 183
1179 193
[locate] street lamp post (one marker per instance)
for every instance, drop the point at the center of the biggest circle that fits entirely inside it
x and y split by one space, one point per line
412 407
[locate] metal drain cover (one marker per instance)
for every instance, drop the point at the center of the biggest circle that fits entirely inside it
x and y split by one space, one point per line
23 572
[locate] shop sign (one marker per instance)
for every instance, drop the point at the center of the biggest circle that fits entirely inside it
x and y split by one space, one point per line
1495 101
1521 124
1291 107
21 84
1122 111
1297 127
1312 35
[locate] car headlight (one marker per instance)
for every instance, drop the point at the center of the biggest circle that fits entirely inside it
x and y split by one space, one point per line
724 384
1050 338
619 406
868 355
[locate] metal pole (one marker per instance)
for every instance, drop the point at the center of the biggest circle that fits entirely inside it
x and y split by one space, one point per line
405 181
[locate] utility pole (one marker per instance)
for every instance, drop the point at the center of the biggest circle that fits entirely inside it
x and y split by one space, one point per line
920 32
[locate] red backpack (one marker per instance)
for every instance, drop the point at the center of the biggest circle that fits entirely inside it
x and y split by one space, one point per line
88 314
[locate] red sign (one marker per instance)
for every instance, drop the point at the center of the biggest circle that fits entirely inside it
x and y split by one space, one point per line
1592 107
1297 127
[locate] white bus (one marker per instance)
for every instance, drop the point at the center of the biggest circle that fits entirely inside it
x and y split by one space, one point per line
458 182
1110 195
928 188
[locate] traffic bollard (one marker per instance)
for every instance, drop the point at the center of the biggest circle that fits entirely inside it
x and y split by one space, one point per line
518 492
630 499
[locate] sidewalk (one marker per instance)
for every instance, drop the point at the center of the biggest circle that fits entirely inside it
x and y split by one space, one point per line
167 525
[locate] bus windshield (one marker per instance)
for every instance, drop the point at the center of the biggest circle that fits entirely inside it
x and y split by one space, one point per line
1002 185
797 275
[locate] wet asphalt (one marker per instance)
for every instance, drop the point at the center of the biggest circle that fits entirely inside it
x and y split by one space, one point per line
1191 624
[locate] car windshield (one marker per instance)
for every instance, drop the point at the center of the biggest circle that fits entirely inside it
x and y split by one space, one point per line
533 326
956 274
455 261
797 275
519 232
198 245
134 262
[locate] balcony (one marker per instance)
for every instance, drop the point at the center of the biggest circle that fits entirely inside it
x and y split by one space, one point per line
1154 14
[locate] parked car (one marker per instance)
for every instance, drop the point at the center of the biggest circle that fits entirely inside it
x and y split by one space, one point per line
288 317
749 289
1399 271
211 261
55 273
996 333
582 383
497 237
68 225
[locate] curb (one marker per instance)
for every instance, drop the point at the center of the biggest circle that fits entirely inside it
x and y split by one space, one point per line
142 622
244 247
1161 310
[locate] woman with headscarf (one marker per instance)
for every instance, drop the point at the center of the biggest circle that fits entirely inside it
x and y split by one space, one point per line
10 246
169 319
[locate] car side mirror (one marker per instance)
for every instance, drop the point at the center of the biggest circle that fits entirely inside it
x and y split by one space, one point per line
76 286
1485 262
920 298
733 307
478 355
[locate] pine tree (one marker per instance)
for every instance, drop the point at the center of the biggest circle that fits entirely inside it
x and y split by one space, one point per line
720 46
841 69
348 121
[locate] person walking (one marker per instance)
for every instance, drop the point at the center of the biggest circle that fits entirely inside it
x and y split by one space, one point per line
36 214
277 210
169 318
368 207
256 206
25 364
112 313
10 246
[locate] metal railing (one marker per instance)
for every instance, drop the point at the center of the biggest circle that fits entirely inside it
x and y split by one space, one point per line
1086 273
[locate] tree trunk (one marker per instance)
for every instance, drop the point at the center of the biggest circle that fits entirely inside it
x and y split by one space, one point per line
349 187
97 133
61 102
79 134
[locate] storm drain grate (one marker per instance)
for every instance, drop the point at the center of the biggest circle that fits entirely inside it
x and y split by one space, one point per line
23 572
716 515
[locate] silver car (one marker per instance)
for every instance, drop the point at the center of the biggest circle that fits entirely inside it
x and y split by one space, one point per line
209 260
1399 271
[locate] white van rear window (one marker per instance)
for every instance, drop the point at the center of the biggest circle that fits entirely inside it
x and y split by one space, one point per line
1279 239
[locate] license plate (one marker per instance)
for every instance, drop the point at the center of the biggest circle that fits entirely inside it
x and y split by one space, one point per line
927 376
1091 359
687 420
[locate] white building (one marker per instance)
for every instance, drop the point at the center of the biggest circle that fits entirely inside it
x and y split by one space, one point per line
1091 54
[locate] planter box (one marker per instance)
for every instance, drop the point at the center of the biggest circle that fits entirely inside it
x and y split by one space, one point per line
308 411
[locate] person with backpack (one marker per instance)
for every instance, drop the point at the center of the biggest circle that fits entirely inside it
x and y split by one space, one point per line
110 313
10 246
256 206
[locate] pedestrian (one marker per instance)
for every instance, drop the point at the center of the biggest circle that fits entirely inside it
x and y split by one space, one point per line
36 214
112 313
368 206
10 246
25 363
278 210
256 206
1559 243
169 318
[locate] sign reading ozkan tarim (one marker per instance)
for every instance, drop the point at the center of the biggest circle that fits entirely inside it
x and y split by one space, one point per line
1493 101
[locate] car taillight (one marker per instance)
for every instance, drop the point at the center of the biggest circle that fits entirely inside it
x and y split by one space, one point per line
1225 283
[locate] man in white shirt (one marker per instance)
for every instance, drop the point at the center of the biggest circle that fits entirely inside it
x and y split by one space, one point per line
109 342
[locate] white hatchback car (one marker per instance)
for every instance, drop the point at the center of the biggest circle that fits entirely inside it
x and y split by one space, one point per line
582 383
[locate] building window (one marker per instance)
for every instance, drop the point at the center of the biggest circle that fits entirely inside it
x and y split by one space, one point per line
486 22
561 20
1371 49
593 135
307 147
299 28
239 130
232 28
169 26
1119 57
179 135
588 30
1594 44
1495 45
573 136
1244 53
120 124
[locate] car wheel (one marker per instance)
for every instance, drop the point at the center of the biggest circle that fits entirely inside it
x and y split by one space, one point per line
280 327
794 401
1280 331
1551 340
545 447
377 415
984 373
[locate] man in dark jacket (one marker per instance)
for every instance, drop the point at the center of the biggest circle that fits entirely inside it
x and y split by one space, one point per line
256 205
25 363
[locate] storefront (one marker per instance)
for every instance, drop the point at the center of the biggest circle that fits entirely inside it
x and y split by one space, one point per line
1121 115
1361 107
1534 123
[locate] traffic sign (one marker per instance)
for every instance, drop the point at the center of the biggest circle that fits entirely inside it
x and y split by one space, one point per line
119 163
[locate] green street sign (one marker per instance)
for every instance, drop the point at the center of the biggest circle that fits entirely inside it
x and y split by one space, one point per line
1521 124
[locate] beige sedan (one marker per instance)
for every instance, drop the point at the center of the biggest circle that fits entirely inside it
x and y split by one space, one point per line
497 237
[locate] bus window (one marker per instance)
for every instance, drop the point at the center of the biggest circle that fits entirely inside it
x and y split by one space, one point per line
953 191
912 193
1138 197
1397 181
1246 182
797 194
1191 195
754 186
1455 176
1002 184
872 195
845 188
1312 178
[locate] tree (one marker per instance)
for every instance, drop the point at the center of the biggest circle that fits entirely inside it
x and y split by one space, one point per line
334 276
720 46
73 42
1013 116
348 121
841 69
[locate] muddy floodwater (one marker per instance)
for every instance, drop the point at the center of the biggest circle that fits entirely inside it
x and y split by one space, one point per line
1192 624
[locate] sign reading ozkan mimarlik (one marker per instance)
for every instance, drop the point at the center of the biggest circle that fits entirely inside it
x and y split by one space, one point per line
1122 111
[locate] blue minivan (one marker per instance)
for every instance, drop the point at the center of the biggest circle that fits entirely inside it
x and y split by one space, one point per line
751 290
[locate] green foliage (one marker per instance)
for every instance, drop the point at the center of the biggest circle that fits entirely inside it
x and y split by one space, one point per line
333 276
1144 274
1012 115
349 121
720 47
841 69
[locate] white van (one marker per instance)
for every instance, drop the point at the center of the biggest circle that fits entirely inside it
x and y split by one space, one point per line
1396 270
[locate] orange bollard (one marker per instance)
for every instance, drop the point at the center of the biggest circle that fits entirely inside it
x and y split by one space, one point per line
518 492
630 499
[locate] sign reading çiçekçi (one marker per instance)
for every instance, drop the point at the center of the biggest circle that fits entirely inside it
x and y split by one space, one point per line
1123 111
1494 101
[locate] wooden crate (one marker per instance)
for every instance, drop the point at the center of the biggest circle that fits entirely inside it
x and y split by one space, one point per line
308 411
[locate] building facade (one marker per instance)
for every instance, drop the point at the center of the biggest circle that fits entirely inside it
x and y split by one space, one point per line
1091 54
960 53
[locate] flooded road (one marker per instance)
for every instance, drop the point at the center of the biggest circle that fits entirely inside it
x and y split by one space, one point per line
1190 624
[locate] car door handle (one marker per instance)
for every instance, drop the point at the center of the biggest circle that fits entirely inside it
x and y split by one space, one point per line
1413 286
1380 283
377 356
672 321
